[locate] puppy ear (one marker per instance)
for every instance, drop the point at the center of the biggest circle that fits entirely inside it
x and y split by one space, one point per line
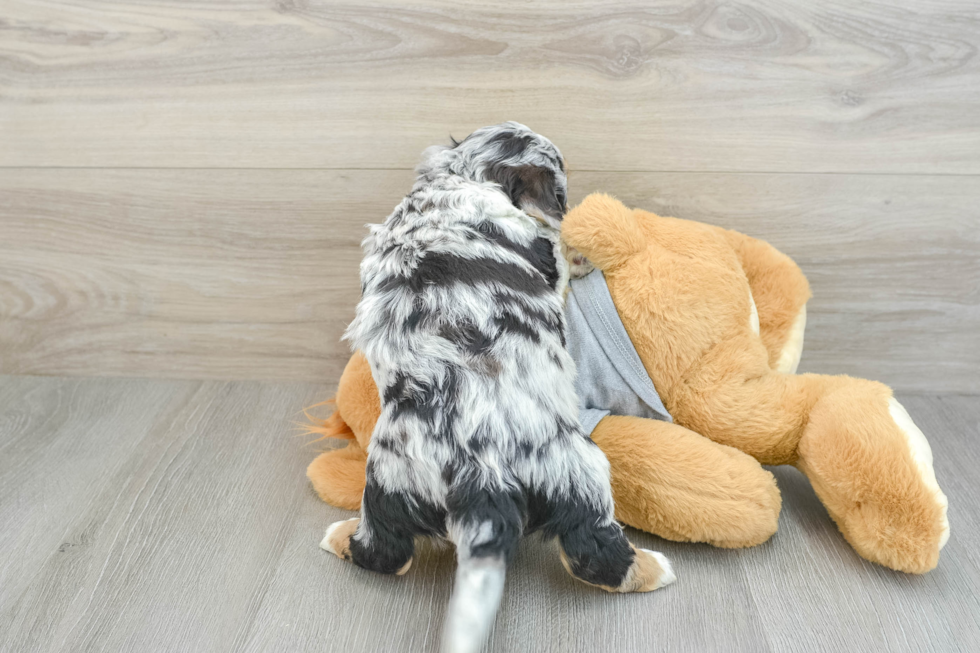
534 190
604 230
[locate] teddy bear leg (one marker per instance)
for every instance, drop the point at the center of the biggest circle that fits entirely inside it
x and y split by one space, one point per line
732 397
357 399
872 468
865 458
672 482
338 476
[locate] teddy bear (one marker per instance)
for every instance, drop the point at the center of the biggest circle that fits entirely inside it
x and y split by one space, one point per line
716 321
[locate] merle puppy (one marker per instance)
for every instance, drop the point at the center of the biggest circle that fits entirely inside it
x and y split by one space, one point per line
461 318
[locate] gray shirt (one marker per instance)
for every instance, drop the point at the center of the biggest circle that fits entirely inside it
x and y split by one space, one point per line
611 378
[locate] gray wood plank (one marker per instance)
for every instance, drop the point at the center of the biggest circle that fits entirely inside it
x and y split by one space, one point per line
176 552
252 274
754 86
61 443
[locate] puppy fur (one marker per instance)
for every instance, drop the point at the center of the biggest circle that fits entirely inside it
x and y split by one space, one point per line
461 319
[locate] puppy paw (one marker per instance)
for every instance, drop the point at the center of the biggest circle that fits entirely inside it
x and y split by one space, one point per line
404 568
667 575
337 538
650 571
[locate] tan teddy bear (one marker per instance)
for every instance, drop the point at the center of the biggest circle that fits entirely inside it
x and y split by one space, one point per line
717 320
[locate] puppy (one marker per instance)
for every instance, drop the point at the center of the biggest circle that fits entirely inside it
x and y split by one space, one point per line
461 318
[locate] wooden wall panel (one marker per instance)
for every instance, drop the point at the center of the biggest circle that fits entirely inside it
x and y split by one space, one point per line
183 184
653 86
252 274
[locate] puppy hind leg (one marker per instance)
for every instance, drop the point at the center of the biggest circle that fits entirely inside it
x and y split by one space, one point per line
602 556
594 548
383 539
350 540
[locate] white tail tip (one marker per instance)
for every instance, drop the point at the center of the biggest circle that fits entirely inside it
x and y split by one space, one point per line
476 596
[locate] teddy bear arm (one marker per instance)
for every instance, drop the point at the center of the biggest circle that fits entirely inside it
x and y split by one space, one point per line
604 230
672 482
780 292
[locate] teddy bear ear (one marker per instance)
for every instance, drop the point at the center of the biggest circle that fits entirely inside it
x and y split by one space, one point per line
604 230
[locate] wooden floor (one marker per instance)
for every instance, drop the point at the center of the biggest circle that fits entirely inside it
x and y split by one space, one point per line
156 515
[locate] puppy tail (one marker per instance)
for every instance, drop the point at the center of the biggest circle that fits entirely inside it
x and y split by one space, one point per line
473 606
482 551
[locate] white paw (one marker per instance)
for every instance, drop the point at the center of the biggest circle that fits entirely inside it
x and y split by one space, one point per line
669 575
325 542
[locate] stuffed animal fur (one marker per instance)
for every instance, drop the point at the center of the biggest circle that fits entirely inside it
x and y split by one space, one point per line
717 319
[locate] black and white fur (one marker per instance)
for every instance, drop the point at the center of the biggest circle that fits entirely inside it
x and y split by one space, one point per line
461 319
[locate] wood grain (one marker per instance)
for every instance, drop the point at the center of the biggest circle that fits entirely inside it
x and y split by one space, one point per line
61 443
177 538
159 515
252 274
654 86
